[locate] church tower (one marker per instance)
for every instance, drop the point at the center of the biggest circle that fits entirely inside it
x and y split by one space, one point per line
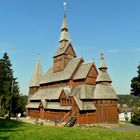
105 96
36 78
65 51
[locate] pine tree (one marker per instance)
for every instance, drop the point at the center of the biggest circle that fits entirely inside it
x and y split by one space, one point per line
135 84
9 93
1 83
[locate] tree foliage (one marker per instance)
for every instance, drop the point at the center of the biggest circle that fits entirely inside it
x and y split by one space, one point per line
135 84
136 116
130 100
9 90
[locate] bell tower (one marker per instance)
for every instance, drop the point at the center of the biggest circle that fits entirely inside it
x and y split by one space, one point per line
65 51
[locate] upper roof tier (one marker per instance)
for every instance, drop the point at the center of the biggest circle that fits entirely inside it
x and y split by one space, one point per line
62 47
66 74
83 70
64 35
64 24
102 62
64 40
103 75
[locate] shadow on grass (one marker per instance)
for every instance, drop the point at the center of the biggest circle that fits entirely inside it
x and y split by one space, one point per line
4 137
9 130
7 127
8 124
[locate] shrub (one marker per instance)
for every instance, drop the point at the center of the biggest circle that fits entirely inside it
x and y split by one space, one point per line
136 117
3 112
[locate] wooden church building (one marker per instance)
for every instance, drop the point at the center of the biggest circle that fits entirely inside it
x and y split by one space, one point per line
72 87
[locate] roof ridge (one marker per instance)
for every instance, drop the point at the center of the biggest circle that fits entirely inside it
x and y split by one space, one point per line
74 59
88 62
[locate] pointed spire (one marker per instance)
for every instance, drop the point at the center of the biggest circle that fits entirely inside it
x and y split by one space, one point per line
103 88
103 76
64 24
37 75
64 36
65 4
102 62
102 55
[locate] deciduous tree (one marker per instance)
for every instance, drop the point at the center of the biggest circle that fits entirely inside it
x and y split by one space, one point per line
135 84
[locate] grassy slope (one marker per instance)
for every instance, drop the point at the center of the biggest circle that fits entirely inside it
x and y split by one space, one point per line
10 130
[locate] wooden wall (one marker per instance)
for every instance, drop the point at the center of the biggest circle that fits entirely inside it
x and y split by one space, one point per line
53 114
86 117
107 111
34 113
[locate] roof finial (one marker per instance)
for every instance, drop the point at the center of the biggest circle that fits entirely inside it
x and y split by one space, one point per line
102 55
64 8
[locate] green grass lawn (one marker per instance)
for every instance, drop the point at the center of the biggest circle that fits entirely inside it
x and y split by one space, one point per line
12 130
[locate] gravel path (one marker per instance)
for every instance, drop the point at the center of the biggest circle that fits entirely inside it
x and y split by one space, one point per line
127 127
32 121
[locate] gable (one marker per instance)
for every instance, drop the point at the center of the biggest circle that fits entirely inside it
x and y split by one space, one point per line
63 95
83 105
70 50
91 76
65 48
83 71
41 105
92 72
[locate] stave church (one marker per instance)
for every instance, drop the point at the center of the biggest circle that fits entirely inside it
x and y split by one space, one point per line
72 89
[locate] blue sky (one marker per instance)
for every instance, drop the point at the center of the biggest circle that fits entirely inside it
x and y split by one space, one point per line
32 27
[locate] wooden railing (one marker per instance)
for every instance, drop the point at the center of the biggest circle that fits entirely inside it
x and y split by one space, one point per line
65 116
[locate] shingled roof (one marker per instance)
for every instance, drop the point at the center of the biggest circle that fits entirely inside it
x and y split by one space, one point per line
64 35
37 75
64 40
33 105
103 76
104 92
66 74
83 91
62 47
83 70
103 88
47 94
79 93
102 64
84 105
57 106
64 24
